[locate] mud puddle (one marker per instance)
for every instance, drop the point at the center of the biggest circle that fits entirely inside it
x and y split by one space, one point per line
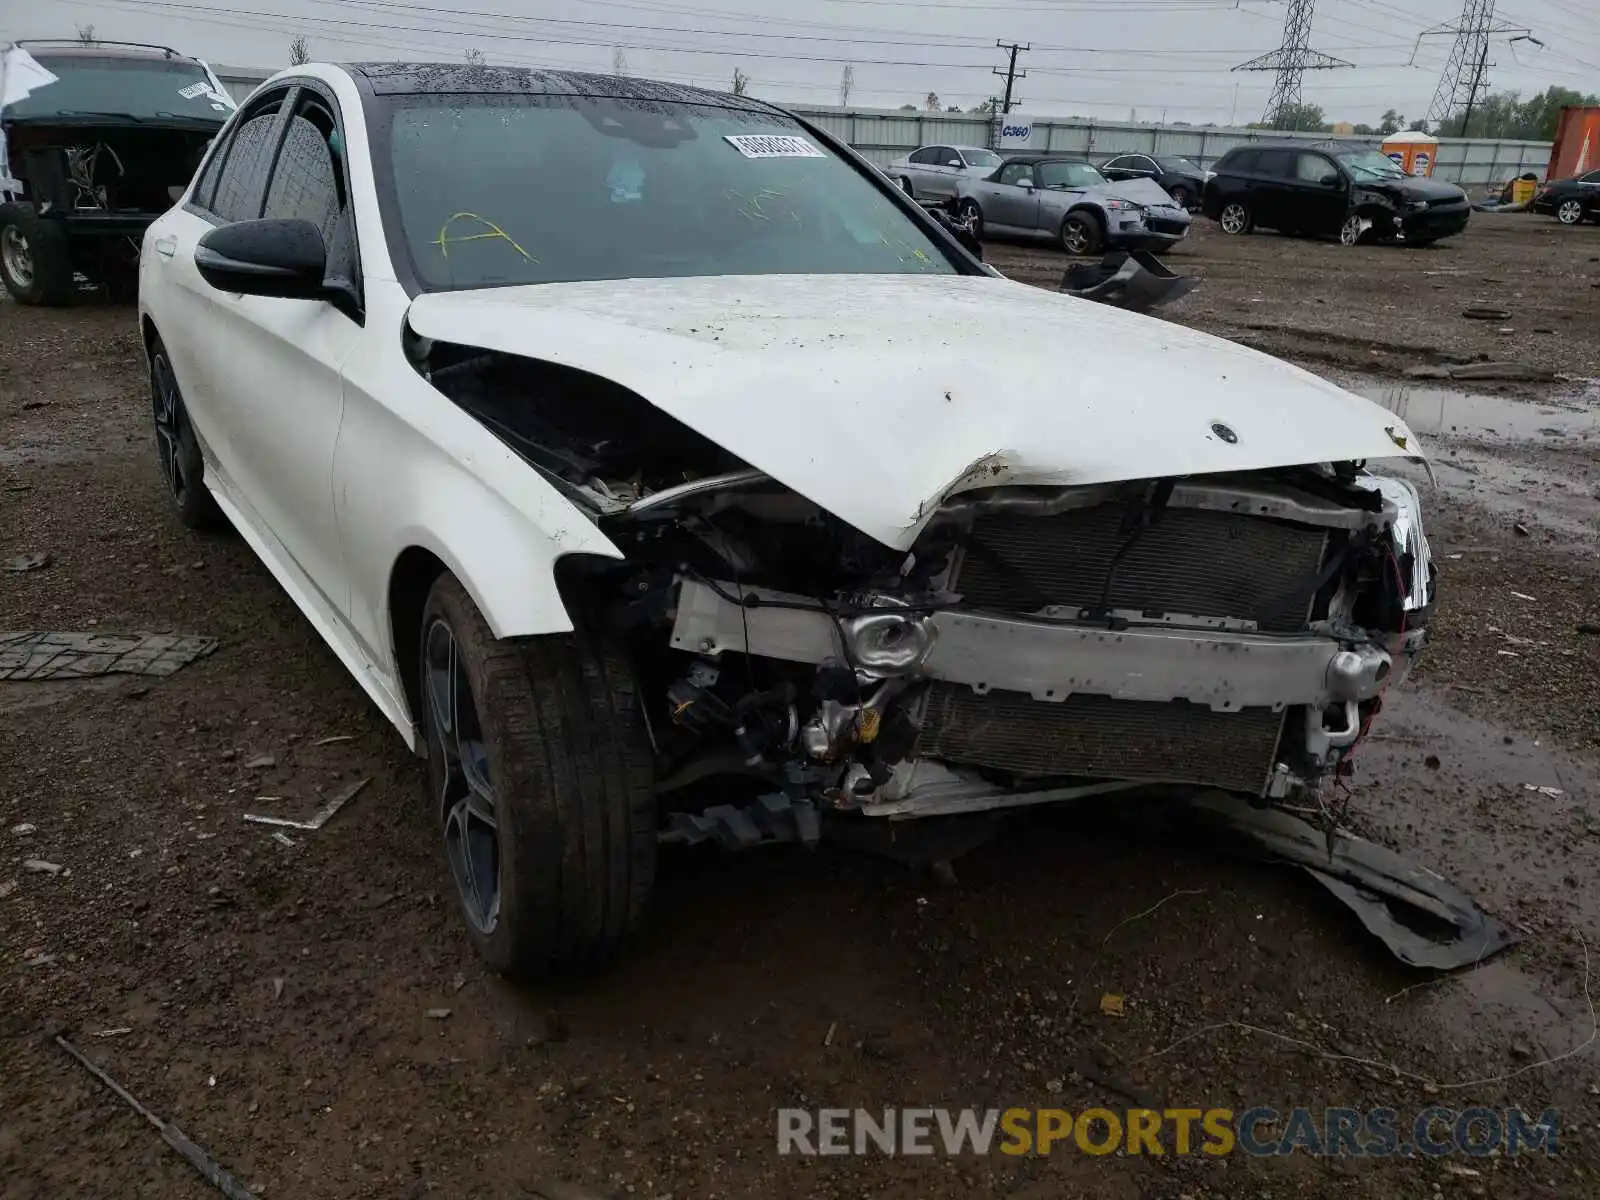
1536 462
1513 822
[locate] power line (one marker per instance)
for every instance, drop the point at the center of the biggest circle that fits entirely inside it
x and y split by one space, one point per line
1291 60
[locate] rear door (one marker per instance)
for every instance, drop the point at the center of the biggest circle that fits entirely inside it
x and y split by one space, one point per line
189 314
1269 187
1589 190
941 176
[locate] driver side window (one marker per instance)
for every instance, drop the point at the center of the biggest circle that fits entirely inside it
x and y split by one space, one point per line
1313 168
1017 174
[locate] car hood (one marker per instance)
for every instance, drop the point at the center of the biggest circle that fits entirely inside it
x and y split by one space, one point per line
1140 191
1416 187
878 396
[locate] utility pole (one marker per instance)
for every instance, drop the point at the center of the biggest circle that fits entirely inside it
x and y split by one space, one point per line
1463 77
1291 60
1011 73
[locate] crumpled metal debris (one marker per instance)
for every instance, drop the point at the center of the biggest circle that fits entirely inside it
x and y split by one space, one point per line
26 562
1132 279
32 655
1424 920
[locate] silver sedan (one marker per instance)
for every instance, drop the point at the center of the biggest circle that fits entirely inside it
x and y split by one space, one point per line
933 172
1068 201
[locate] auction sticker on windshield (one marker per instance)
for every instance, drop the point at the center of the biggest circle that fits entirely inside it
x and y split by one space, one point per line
772 145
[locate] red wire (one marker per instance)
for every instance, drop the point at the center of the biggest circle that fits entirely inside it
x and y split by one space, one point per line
1366 726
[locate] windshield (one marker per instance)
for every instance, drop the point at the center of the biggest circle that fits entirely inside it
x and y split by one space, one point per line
987 159
495 190
1369 164
1066 175
149 88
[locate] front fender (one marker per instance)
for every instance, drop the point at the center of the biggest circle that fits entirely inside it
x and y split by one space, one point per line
413 470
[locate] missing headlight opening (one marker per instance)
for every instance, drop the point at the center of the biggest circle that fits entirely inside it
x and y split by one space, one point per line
1033 644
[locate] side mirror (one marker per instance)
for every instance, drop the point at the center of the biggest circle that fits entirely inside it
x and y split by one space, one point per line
1330 180
954 162
1025 182
267 257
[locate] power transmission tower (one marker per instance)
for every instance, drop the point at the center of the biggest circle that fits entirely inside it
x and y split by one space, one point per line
1464 71
847 81
1011 73
1292 59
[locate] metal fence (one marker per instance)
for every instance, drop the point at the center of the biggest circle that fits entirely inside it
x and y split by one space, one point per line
883 135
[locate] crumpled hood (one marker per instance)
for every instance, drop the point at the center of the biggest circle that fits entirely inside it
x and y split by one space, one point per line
1416 187
877 396
1140 191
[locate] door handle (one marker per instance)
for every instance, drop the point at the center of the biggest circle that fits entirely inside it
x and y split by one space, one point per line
166 247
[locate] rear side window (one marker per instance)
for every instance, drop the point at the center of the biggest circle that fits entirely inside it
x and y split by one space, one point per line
208 176
1242 161
244 175
1277 163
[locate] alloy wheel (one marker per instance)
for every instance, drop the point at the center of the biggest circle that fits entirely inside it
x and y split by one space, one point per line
1234 219
1350 232
466 798
1075 237
1180 196
972 215
1570 212
168 412
18 256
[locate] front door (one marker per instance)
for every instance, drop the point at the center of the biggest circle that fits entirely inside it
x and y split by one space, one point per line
1013 201
1318 198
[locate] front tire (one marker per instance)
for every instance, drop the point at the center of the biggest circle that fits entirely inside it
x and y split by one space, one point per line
1235 219
177 448
1181 197
35 260
1570 212
541 778
1081 233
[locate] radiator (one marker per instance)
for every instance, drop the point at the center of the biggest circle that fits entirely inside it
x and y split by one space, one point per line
1100 738
1193 562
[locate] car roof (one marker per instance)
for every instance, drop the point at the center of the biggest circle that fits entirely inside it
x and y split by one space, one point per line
1043 158
411 78
75 49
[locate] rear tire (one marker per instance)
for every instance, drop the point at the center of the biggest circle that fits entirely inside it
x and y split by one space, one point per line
177 448
35 259
970 210
1235 219
541 779
1081 233
1570 212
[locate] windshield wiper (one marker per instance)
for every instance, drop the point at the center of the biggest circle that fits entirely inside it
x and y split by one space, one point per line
96 112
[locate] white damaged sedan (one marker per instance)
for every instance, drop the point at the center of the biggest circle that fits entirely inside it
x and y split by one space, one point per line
665 475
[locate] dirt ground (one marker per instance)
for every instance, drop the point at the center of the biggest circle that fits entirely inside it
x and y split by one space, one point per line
277 997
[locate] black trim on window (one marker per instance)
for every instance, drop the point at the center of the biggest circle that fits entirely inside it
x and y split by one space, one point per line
260 106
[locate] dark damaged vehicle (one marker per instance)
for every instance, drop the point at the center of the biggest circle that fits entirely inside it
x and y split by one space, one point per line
96 141
1331 189
666 475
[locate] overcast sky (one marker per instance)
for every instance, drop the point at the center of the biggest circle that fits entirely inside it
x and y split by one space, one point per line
1090 57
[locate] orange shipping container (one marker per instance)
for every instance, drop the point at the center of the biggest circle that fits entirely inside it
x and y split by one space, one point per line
1577 148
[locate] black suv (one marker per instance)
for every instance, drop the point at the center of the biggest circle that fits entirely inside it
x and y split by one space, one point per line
89 159
1331 188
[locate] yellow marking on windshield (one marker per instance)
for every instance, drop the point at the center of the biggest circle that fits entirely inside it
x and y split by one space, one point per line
495 233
